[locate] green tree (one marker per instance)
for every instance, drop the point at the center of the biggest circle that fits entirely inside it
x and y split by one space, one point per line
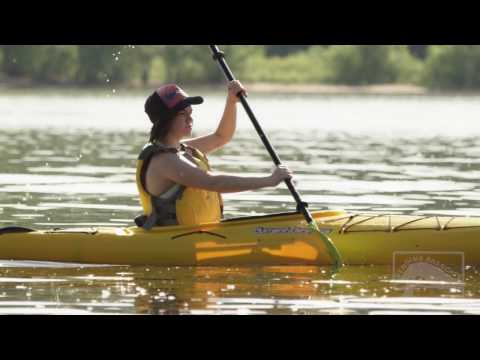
407 67
189 63
419 51
360 64
24 60
301 67
238 56
60 66
95 63
453 67
99 64
1 61
194 63
128 64
284 50
147 55
177 64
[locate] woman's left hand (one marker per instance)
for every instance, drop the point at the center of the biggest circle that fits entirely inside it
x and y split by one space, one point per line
234 88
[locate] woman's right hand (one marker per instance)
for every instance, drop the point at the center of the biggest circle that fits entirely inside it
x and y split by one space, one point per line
280 174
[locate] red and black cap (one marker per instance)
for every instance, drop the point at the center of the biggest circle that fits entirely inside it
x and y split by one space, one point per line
167 101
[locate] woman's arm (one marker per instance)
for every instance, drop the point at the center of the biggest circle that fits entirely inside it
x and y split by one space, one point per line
170 166
227 126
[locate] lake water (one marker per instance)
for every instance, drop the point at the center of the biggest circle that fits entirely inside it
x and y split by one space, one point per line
67 159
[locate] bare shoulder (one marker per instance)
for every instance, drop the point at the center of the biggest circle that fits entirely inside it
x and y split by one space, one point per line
170 165
177 169
163 161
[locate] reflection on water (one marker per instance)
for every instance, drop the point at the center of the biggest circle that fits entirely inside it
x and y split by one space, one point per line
53 289
75 173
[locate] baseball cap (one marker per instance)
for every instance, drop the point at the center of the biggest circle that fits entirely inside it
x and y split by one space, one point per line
167 101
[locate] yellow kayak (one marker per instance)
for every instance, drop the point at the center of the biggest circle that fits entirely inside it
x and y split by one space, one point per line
279 239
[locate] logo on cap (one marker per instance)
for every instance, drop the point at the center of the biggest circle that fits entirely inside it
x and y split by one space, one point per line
171 95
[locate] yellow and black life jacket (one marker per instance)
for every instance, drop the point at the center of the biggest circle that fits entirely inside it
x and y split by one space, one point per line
179 205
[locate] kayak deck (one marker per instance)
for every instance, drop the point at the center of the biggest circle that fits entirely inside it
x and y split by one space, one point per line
278 239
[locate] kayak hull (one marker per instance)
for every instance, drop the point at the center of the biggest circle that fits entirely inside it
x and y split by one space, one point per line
279 239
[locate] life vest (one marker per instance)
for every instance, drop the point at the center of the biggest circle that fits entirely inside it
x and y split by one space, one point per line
179 205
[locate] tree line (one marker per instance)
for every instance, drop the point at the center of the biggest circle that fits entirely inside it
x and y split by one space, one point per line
437 66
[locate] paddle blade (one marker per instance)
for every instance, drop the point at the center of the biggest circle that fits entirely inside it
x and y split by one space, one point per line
332 250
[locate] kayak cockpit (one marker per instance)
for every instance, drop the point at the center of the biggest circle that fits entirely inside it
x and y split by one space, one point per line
15 230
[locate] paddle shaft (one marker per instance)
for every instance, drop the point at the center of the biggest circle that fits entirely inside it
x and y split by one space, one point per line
301 206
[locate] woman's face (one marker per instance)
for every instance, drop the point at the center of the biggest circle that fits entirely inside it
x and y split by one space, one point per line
182 123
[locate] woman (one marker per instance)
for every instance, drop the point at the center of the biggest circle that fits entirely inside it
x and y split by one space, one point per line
173 176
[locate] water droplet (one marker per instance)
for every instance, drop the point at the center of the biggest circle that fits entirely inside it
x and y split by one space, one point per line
114 91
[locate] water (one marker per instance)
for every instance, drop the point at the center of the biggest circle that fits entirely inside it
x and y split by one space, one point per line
68 160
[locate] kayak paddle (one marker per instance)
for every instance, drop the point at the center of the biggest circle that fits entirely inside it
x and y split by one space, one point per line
301 206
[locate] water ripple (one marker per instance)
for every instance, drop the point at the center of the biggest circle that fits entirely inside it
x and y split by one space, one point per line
77 168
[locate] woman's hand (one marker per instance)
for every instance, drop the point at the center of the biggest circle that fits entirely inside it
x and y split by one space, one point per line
234 88
280 174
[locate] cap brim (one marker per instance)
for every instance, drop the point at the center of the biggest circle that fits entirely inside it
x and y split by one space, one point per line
193 100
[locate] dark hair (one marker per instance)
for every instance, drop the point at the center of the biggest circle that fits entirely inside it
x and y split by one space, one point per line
161 127
160 116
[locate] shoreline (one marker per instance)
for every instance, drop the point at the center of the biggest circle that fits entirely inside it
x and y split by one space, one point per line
329 89
256 87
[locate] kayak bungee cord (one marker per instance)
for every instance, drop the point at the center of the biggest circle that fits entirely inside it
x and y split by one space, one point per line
219 57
